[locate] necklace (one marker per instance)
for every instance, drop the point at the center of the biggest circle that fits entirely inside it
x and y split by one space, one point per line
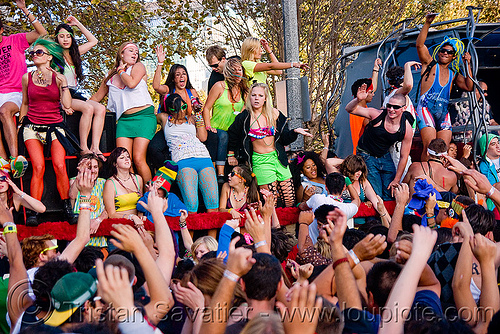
123 180
242 197
40 78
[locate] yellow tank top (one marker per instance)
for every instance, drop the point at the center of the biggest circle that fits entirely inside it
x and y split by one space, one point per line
128 201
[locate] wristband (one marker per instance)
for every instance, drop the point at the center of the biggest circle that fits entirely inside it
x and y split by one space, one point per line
348 181
231 276
230 209
84 200
339 261
491 192
291 65
85 206
260 243
431 217
375 70
22 194
9 229
183 224
353 256
99 220
8 224
385 214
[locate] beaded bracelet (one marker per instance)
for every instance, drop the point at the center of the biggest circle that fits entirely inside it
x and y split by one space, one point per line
183 224
85 206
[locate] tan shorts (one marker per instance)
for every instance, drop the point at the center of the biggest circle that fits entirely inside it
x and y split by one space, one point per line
32 131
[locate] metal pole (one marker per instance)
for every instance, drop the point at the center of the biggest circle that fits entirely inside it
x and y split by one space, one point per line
293 95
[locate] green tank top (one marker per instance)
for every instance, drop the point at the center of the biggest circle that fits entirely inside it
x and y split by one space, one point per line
224 111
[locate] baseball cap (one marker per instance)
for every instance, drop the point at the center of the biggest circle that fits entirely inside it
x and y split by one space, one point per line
70 292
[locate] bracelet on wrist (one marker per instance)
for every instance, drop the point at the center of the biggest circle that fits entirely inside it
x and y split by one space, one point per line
491 192
385 214
431 217
260 243
8 224
85 206
353 256
9 229
22 194
375 70
231 276
339 261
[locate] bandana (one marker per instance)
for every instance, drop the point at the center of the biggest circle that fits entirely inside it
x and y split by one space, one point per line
131 45
431 152
417 202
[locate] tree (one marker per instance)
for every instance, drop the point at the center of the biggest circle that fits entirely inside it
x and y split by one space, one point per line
175 24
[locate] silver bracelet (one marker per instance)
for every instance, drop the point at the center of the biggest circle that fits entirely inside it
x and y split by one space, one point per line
22 194
231 276
8 224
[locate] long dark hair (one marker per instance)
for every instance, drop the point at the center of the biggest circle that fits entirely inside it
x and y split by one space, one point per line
113 157
251 182
10 191
173 104
171 75
229 75
299 162
73 49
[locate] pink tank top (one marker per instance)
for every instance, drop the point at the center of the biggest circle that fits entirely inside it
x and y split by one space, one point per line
44 102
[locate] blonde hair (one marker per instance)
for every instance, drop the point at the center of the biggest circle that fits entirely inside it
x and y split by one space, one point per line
267 109
323 247
264 324
248 48
209 241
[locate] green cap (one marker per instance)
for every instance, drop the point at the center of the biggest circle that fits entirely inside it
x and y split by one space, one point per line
70 292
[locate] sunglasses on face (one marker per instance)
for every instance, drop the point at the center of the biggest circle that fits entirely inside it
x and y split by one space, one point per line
214 65
3 178
233 174
393 106
38 53
183 107
450 52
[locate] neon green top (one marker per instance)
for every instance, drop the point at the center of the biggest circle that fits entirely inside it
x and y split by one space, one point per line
224 111
252 76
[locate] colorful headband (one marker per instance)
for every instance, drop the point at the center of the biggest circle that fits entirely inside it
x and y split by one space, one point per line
431 152
69 32
369 87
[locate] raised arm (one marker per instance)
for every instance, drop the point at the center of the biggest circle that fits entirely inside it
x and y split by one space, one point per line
101 92
157 86
354 107
74 248
376 68
239 262
403 292
39 29
18 279
402 194
21 198
408 78
161 298
272 56
91 40
423 52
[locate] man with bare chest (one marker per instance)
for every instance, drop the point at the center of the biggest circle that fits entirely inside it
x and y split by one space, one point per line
438 73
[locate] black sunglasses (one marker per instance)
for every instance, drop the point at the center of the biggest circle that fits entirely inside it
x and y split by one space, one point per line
214 65
38 53
450 52
393 106
3 178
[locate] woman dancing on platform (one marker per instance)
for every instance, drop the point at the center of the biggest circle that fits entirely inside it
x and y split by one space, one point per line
226 100
255 70
123 189
177 82
93 113
258 135
44 90
129 98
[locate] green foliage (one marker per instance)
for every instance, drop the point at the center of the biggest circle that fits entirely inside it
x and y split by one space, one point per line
172 23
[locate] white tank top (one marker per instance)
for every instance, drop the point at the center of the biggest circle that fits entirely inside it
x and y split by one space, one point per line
70 74
121 100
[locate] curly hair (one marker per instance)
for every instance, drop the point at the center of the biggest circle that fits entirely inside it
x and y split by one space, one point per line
395 76
353 163
298 165
32 247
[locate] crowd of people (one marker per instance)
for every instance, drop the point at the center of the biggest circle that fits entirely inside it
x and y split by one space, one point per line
427 264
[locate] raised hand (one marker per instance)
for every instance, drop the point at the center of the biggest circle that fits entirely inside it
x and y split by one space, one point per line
424 240
403 250
160 54
255 226
481 185
84 182
370 247
190 296
239 260
362 94
303 301
72 21
467 151
430 17
377 64
401 193
21 4
484 249
128 238
306 217
467 57
415 64
114 286
265 45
